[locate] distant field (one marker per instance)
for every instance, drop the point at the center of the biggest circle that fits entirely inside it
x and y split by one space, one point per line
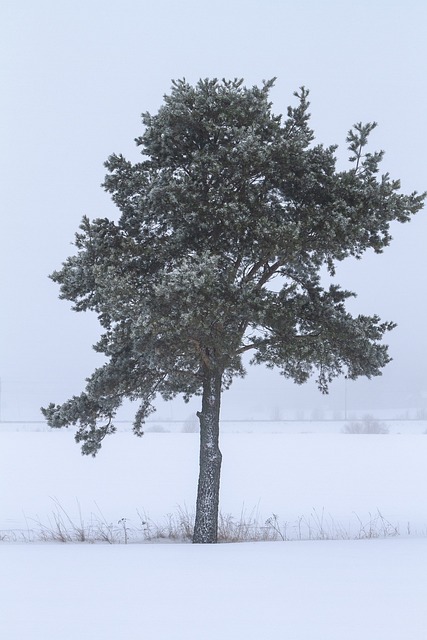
245 426
344 477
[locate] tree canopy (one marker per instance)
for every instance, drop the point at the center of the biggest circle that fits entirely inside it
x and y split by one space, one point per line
227 197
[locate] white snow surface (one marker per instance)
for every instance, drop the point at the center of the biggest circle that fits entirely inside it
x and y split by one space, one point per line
371 589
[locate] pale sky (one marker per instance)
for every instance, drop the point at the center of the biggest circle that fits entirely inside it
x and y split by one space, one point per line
75 77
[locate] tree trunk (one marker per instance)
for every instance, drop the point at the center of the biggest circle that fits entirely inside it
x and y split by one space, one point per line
206 525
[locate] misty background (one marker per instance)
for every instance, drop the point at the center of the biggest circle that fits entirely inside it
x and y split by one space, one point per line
77 75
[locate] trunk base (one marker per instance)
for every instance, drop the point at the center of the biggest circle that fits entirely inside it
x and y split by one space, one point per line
207 507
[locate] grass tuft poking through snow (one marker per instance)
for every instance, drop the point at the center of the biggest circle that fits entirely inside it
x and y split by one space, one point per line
178 527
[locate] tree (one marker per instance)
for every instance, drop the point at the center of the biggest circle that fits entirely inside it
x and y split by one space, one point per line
227 197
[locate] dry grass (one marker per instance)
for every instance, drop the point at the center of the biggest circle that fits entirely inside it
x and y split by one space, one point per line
178 527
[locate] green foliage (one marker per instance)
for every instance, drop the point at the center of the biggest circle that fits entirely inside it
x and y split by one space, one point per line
227 197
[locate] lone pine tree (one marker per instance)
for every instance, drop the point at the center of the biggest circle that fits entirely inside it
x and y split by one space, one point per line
227 197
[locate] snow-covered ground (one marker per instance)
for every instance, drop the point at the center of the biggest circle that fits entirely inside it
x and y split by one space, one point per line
334 484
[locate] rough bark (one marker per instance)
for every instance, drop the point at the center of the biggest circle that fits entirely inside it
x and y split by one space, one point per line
206 524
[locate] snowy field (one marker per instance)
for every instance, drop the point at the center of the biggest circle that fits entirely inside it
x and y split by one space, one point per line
317 485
